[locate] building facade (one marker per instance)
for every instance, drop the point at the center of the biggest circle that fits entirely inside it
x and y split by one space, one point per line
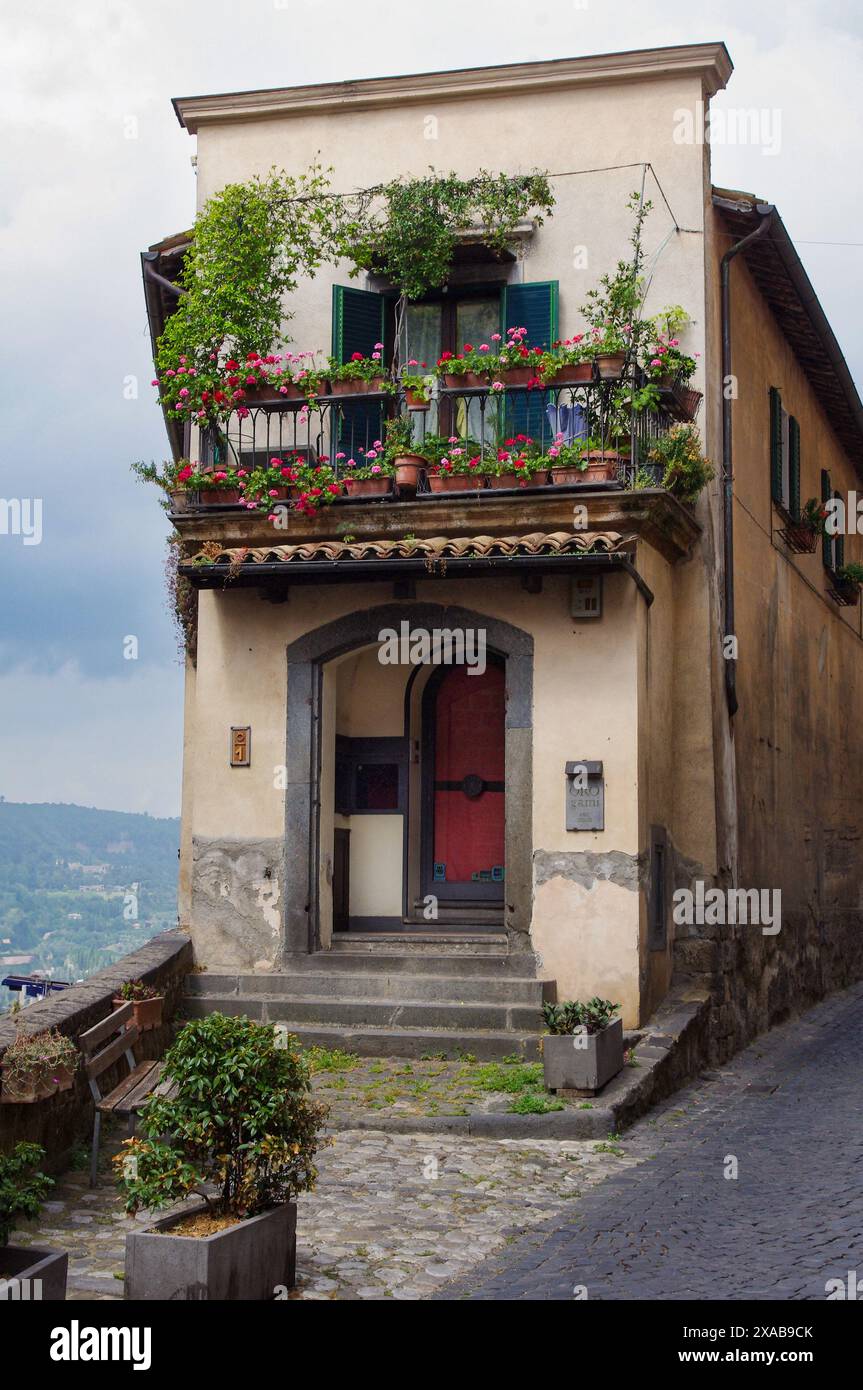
581 740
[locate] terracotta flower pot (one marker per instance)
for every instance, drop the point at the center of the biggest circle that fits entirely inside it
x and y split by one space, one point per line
454 381
413 401
360 386
409 470
601 466
517 478
263 393
568 473
516 376
454 482
147 1012
574 375
610 365
369 487
219 496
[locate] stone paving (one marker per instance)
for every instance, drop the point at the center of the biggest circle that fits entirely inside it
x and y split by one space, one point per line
393 1216
789 1113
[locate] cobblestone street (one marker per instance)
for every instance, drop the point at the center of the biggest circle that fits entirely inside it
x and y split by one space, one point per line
789 1110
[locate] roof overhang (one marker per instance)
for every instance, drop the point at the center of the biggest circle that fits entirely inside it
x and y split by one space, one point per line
781 279
708 62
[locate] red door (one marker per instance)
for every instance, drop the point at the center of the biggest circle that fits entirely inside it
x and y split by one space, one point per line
465 840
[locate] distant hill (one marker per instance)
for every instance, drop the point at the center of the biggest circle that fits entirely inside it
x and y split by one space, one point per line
80 887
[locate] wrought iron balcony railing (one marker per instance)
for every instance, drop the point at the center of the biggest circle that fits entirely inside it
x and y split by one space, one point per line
341 428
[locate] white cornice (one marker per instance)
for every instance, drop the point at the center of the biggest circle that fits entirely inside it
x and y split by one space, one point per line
709 61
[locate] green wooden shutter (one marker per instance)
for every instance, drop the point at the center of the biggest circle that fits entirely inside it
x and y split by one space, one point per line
826 541
532 306
358 323
838 544
776 444
794 468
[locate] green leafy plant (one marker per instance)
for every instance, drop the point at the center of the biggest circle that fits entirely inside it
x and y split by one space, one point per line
850 574
36 1059
135 990
419 386
573 1016
240 1120
411 228
813 515
686 471
663 356
399 441
23 1188
613 309
251 244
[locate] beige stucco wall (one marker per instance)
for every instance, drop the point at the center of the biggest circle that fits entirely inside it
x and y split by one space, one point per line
798 756
585 707
585 128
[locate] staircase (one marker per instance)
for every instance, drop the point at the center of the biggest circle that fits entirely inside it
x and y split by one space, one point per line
393 995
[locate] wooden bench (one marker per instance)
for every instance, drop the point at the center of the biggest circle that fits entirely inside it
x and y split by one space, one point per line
111 1039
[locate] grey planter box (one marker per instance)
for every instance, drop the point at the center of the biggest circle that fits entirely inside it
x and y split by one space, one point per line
43 1270
572 1066
244 1262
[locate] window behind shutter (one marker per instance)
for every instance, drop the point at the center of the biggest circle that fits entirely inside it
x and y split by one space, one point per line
532 306
794 468
775 444
826 541
358 323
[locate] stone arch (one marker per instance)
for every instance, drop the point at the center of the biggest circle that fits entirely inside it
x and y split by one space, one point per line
306 658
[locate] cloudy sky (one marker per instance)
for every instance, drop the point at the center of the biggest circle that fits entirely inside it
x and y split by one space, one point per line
95 167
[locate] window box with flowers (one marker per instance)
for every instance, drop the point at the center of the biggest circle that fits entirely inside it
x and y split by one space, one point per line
371 474
845 584
570 363
455 463
36 1066
802 534
306 486
359 375
519 462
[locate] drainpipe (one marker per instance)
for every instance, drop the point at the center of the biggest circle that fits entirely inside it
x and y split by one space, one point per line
766 211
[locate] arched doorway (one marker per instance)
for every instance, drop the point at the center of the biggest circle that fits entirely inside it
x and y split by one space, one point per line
464 818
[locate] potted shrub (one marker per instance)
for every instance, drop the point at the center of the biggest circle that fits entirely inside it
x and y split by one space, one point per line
242 1133
146 1002
360 374
36 1065
846 584
408 458
685 469
584 1049
23 1189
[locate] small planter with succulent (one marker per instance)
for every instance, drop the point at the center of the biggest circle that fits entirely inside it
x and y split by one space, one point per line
27 1272
847 580
417 389
584 1048
239 1130
36 1066
146 1002
360 374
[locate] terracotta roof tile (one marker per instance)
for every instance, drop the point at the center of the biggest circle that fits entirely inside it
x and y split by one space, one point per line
434 547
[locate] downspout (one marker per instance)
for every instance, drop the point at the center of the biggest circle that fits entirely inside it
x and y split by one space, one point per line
766 211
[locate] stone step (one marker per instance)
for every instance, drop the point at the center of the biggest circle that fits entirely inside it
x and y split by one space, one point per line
391 962
483 1043
420 943
378 985
441 1015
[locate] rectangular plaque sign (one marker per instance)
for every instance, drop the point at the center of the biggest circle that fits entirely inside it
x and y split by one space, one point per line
585 796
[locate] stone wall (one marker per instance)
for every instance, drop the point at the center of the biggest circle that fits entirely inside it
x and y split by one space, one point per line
64 1120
